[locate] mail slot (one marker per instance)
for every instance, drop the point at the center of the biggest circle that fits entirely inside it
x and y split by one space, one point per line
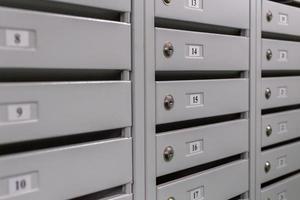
280 55
280 91
49 109
185 100
196 146
220 183
120 5
44 40
212 12
200 51
285 189
122 197
280 18
66 172
280 127
279 161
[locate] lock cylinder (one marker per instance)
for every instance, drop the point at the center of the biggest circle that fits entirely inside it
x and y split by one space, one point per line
168 49
269 130
168 153
269 16
269 54
169 102
167 2
268 93
267 166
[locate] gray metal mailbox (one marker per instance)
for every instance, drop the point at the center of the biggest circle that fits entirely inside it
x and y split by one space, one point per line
199 145
50 109
44 40
280 127
283 190
280 55
220 183
280 18
200 51
57 173
280 91
200 98
279 161
214 12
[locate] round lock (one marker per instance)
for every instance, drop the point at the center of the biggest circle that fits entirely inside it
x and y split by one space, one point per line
168 153
167 2
168 49
268 93
267 166
269 130
269 54
269 16
169 102
171 198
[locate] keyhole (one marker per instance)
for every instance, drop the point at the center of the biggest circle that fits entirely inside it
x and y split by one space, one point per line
17 38
19 111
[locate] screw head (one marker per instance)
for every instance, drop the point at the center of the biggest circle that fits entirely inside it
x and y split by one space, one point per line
269 16
168 153
268 93
169 102
168 49
269 130
171 198
269 54
267 166
167 2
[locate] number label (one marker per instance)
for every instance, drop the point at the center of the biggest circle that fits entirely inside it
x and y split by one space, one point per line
195 51
17 38
197 194
194 4
283 19
282 92
282 162
20 185
283 56
283 127
282 196
19 112
196 99
195 147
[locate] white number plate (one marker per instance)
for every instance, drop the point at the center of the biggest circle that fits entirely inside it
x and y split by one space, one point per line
19 112
19 185
17 38
194 4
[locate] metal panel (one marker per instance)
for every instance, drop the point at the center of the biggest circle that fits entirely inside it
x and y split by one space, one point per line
284 55
280 18
43 40
49 109
286 189
200 98
282 160
220 183
279 127
208 12
201 51
58 173
121 5
284 91
220 140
